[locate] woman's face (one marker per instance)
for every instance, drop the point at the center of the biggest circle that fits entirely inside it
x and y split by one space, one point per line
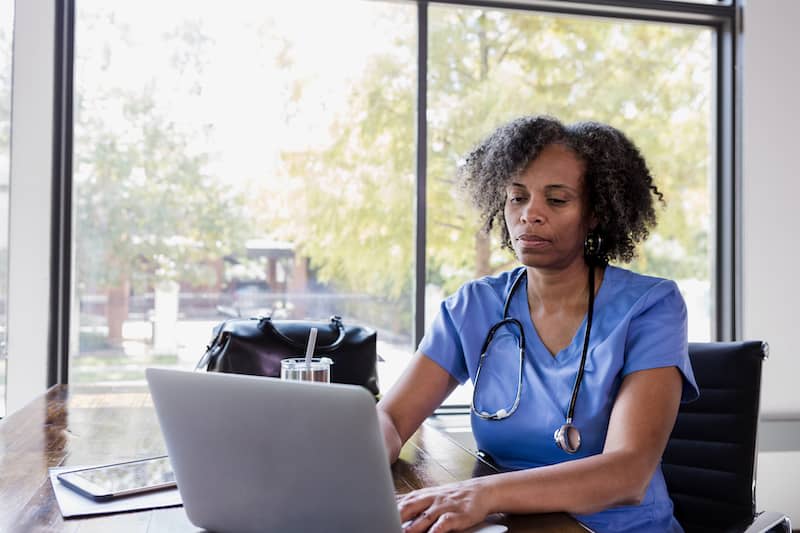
546 210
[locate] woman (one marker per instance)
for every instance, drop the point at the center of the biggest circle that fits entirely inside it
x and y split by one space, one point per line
577 331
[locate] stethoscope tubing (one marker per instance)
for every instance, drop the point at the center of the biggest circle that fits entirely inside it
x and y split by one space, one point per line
579 377
502 413
561 435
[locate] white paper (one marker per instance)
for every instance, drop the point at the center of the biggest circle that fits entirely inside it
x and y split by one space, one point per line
73 504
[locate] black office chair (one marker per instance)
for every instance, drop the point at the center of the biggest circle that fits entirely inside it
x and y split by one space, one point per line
709 462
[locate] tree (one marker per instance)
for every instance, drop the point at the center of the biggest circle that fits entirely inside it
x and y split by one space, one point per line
582 69
348 204
146 207
484 68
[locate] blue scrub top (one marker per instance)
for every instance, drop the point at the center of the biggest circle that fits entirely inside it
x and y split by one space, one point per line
639 323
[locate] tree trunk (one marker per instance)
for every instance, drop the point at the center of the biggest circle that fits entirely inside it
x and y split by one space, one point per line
272 273
219 270
483 75
483 253
117 311
298 286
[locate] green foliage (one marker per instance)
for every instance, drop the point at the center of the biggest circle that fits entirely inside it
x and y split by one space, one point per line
357 202
486 67
145 203
146 207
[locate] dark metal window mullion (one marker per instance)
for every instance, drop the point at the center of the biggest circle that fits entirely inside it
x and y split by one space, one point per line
61 201
735 69
641 10
420 204
728 209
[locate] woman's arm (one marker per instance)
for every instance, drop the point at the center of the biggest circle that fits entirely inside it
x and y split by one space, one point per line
641 421
421 388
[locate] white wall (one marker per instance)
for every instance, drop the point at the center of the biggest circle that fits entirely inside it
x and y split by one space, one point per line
29 219
771 219
771 196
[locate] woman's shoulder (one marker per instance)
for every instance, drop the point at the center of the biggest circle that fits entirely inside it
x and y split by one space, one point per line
485 290
634 287
496 283
635 281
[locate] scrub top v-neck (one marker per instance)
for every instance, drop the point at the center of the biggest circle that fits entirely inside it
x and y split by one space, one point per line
519 308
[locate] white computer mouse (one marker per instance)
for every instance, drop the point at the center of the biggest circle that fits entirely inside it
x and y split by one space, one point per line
483 527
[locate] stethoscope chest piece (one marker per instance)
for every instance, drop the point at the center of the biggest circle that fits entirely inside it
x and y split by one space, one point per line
568 438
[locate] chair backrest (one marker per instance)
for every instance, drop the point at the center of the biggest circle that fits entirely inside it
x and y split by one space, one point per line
710 457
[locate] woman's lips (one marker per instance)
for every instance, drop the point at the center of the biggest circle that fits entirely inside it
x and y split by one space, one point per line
532 242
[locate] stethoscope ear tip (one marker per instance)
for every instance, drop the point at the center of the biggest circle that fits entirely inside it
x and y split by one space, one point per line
498 415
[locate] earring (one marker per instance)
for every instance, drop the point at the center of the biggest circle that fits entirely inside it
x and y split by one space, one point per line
592 245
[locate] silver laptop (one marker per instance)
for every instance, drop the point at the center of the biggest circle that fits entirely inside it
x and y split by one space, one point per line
260 454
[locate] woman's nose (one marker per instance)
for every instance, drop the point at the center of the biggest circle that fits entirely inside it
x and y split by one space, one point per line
532 211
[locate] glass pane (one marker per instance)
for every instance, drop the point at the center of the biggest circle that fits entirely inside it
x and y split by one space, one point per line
239 158
653 81
2 387
6 36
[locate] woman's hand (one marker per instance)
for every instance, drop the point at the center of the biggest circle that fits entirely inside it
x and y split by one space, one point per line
445 508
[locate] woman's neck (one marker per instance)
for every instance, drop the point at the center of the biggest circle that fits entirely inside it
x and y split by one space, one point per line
558 290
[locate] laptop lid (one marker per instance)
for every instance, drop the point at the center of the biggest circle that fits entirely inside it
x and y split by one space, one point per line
254 454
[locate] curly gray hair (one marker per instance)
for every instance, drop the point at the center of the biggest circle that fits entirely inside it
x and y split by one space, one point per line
619 186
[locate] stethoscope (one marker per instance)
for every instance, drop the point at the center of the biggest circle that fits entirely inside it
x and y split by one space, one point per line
567 437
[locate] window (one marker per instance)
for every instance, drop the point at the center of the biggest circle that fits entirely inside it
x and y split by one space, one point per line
6 34
225 163
651 80
251 159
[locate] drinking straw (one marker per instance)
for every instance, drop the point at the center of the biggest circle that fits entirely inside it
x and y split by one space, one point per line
312 340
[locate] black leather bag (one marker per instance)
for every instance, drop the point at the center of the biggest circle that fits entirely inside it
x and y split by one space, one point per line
255 346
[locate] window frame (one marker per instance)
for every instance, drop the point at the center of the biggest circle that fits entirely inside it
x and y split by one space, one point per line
61 203
725 21
724 18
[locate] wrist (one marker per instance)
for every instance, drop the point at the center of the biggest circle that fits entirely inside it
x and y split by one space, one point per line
489 490
393 446
391 438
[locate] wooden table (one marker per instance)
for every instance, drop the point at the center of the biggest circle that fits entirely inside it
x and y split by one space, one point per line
72 425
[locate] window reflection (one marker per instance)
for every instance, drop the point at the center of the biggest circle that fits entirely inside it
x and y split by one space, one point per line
239 159
6 35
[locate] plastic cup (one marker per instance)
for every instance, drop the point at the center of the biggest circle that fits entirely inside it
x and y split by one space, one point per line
296 369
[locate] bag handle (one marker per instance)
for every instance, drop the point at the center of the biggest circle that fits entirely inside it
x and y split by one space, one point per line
336 320
204 360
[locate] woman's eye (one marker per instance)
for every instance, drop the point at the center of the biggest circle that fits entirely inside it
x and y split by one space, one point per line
556 201
514 199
